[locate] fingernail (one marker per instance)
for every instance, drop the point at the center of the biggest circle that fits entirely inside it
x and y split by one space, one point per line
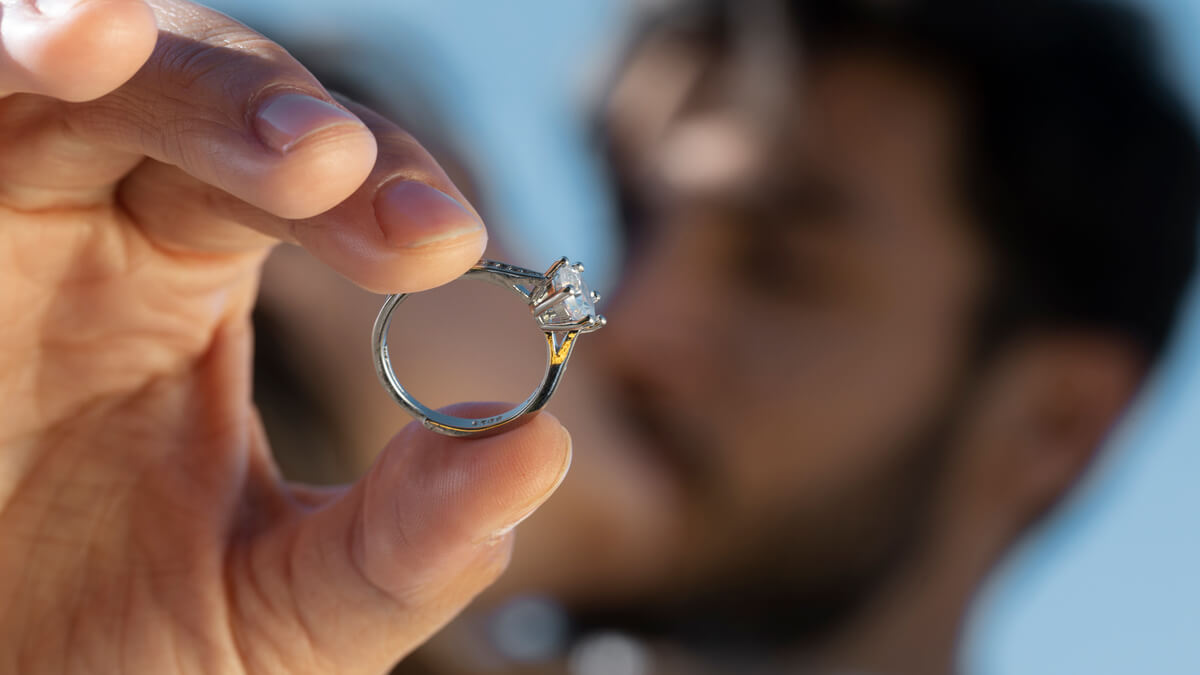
287 119
413 214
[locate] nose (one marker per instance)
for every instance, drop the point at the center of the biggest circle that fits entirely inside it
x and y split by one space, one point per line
671 314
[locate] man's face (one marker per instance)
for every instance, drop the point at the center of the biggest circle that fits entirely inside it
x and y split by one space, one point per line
786 343
795 320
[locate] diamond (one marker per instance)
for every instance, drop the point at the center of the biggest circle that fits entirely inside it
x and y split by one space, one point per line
575 307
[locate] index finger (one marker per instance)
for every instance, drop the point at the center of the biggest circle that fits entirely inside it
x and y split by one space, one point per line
242 133
234 110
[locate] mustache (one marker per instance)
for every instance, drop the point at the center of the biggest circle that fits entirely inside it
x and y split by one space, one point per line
676 440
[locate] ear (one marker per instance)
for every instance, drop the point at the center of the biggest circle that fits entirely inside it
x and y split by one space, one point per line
1043 411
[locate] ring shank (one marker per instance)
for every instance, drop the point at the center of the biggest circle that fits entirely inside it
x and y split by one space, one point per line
558 346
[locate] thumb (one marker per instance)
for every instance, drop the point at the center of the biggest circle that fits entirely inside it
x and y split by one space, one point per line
74 50
373 574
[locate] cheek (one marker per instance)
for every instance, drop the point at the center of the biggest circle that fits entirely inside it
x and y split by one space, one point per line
804 414
814 404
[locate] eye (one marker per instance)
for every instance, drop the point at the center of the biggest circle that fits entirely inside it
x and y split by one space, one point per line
636 211
783 252
773 262
814 204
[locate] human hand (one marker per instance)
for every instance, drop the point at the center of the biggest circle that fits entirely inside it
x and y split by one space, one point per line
150 155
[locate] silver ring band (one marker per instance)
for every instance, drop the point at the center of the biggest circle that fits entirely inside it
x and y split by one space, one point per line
561 304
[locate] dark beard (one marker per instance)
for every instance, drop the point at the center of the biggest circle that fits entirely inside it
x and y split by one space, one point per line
811 571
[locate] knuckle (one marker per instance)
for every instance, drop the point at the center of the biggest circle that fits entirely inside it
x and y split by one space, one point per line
201 52
228 61
238 38
401 155
399 140
400 146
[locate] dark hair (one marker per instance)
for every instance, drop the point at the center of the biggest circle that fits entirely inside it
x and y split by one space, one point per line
1081 165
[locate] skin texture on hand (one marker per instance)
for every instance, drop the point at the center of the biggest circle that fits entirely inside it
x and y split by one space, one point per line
150 156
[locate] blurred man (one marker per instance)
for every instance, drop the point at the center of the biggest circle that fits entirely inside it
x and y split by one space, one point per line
895 271
884 305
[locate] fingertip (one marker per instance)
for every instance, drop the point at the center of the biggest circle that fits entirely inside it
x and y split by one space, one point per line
435 508
538 454
89 50
407 230
496 556
406 270
491 483
521 467
412 238
315 174
413 214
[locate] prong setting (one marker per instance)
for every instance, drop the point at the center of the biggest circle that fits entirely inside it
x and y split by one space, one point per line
557 264
553 299
564 302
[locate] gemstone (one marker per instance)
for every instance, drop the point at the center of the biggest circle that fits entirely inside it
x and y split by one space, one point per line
577 306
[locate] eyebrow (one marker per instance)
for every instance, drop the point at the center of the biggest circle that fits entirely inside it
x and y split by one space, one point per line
800 192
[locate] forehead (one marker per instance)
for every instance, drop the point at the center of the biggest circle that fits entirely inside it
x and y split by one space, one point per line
877 117
690 113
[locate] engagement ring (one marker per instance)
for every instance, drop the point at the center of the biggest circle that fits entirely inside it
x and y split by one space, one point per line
562 305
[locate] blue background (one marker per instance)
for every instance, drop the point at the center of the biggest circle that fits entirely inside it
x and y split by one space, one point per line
1108 585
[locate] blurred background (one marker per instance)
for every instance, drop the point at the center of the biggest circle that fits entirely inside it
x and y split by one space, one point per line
507 95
